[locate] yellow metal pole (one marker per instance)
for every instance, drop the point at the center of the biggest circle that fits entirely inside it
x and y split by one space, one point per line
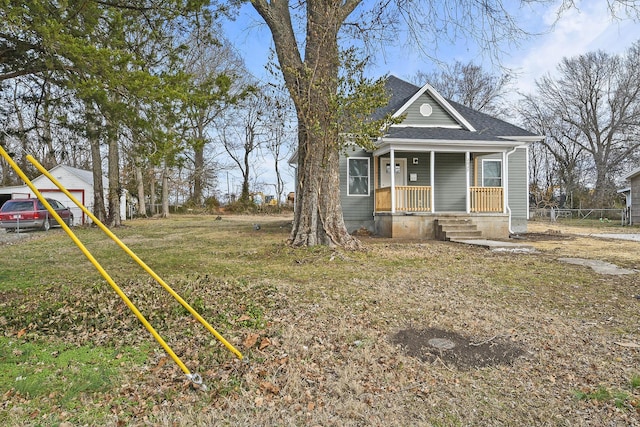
142 264
95 263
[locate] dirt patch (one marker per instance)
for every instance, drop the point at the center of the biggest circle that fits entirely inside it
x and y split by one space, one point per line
452 349
550 235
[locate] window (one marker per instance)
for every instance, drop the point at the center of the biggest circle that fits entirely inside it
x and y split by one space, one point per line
17 206
492 173
358 176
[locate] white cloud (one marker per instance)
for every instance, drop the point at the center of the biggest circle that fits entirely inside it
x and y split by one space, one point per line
588 28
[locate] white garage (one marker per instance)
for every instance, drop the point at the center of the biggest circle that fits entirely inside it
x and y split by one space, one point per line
78 182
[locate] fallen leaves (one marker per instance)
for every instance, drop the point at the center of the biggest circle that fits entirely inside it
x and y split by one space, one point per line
252 339
269 387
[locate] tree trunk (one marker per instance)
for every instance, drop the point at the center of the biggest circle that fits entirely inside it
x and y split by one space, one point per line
49 160
152 192
198 173
165 191
244 195
142 205
602 186
99 209
114 218
318 216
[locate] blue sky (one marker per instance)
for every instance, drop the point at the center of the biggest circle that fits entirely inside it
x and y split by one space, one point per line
587 28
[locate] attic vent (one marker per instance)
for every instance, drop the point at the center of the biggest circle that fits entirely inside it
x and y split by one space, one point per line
426 110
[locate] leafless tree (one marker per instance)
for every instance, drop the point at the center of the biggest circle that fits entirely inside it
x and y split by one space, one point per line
470 85
241 132
219 81
280 134
592 108
557 165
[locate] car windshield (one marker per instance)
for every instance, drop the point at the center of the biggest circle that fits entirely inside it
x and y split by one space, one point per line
17 206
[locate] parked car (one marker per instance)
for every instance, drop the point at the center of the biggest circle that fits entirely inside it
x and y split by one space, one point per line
30 213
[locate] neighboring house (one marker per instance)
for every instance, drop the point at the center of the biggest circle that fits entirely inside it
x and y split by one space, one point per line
632 193
78 182
457 173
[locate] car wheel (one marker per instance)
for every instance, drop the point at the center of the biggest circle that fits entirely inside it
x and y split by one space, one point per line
46 225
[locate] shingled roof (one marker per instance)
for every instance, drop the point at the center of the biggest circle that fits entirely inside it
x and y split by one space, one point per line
487 128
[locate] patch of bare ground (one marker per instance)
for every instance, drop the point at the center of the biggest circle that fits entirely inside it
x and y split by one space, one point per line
452 349
365 339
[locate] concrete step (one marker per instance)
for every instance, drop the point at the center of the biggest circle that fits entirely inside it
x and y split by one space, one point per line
463 235
456 228
454 221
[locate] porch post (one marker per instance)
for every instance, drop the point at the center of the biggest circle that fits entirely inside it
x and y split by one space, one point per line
375 184
467 166
505 182
392 171
432 179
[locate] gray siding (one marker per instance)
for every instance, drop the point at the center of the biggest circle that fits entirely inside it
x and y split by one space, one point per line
357 210
422 169
439 116
450 183
518 185
635 200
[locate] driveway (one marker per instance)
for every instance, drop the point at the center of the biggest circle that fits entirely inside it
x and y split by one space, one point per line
632 237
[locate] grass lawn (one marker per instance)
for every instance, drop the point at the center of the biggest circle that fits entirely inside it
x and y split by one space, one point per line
419 333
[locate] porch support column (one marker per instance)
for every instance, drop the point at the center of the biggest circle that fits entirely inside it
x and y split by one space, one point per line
467 168
432 179
376 165
505 182
392 171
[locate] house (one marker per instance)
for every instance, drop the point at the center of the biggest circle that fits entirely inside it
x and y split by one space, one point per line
78 182
446 171
632 194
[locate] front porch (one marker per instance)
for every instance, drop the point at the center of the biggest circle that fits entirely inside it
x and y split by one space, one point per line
416 192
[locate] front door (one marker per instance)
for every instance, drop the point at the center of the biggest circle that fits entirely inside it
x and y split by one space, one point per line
400 170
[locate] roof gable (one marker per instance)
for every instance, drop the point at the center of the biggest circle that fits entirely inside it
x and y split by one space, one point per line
81 174
422 102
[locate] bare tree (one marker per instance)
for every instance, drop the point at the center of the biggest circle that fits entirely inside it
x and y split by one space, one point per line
280 133
241 133
217 82
592 107
471 86
557 164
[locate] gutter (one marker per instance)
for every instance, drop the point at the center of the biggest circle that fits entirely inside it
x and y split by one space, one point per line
506 185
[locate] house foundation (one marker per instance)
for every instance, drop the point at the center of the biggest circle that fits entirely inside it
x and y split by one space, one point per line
425 225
